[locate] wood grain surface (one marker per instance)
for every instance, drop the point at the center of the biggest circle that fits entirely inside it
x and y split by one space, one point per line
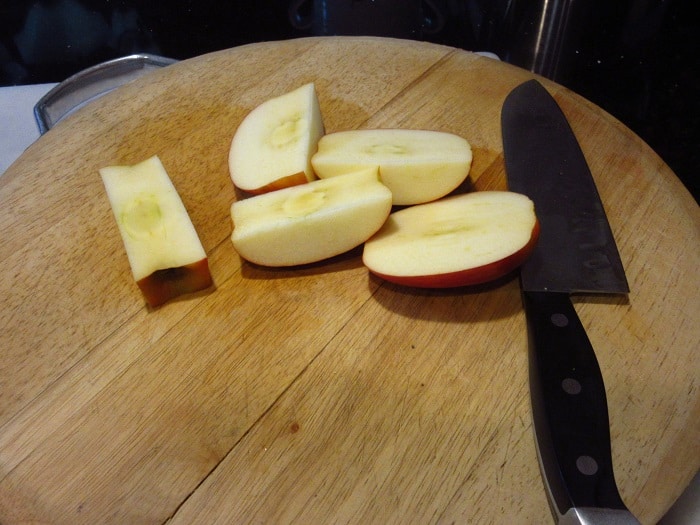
316 394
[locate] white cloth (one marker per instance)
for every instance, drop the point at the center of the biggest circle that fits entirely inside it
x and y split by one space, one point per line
19 129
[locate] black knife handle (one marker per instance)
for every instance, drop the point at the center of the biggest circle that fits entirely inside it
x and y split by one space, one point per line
569 406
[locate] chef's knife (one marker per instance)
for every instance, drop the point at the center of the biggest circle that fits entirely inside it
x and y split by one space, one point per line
575 253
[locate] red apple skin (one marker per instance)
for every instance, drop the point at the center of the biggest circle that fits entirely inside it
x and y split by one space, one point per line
164 285
469 276
284 182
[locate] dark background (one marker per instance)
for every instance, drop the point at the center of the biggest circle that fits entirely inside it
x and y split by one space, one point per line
637 59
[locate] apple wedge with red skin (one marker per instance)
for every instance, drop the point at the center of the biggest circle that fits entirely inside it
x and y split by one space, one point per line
461 240
272 147
164 251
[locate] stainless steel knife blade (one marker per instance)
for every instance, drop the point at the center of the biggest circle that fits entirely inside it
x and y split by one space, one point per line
545 162
576 252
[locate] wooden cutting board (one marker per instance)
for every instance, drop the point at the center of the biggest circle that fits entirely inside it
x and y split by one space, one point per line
316 394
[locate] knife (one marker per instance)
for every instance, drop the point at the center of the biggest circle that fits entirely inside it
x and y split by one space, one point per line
575 253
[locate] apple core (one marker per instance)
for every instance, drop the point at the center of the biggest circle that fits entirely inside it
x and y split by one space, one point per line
288 132
142 217
304 204
386 149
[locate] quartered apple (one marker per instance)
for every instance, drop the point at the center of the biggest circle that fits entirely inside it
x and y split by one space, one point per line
311 222
457 241
273 145
416 165
165 254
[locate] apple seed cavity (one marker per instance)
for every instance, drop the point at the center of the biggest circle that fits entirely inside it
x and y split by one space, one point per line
288 132
142 217
387 149
304 203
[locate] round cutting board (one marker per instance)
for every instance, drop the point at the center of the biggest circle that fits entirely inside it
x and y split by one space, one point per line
316 394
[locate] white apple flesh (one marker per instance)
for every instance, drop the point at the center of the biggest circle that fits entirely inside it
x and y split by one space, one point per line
273 145
164 251
311 222
461 240
416 165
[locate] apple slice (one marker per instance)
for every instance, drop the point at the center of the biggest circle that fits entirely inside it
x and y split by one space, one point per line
165 254
416 165
461 240
273 145
311 222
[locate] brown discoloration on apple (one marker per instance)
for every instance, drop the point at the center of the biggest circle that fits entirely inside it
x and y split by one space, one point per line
163 285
